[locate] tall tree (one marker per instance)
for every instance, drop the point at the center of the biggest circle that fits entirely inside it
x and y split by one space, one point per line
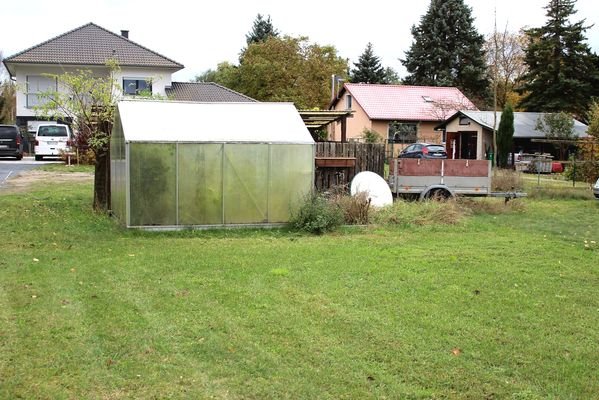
289 69
88 100
505 60
368 69
505 135
562 71
448 51
262 29
391 76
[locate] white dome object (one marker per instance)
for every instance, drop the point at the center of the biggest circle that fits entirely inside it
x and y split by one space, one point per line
374 186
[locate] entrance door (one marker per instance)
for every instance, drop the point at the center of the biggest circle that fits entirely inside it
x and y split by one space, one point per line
467 145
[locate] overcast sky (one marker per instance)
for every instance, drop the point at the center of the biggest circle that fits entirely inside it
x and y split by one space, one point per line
200 34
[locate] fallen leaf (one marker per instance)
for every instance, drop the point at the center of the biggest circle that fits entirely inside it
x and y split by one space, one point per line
456 351
72 269
33 296
35 260
131 255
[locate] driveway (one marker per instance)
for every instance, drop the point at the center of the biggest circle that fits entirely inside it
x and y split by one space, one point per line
10 168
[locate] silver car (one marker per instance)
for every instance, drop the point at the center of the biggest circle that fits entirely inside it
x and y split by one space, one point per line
596 189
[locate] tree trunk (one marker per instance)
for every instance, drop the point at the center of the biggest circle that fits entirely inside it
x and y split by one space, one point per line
102 181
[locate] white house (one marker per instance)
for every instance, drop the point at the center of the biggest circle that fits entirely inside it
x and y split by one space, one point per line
89 47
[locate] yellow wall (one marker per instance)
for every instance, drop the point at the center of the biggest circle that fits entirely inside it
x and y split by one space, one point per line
355 125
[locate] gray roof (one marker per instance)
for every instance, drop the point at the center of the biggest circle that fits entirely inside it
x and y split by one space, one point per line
207 92
524 123
91 44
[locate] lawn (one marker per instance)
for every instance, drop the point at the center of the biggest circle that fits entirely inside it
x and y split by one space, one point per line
494 307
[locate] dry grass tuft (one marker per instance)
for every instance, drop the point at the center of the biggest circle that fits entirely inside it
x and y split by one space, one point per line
425 213
486 205
506 180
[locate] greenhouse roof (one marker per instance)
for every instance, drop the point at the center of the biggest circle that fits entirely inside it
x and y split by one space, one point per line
171 121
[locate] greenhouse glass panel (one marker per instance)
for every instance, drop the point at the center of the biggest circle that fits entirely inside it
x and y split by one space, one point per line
153 181
200 184
246 183
290 179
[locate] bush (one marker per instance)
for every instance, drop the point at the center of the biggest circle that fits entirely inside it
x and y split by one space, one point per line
371 136
355 209
316 215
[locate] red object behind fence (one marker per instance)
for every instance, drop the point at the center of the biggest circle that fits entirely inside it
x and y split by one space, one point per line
557 167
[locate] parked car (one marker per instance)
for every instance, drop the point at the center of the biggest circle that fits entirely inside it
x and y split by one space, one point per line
596 189
424 150
11 141
51 140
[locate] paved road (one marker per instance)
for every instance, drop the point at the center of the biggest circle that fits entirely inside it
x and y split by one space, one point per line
10 168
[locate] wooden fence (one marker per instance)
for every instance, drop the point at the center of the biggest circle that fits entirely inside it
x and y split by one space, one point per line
368 157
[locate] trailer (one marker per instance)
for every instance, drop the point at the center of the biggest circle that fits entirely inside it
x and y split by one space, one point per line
430 178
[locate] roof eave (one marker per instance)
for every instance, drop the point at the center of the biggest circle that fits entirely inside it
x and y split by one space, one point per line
10 73
174 68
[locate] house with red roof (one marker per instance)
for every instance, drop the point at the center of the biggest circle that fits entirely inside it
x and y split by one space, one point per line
400 114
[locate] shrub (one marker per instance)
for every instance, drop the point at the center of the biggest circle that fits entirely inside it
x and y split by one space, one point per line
316 215
355 209
371 136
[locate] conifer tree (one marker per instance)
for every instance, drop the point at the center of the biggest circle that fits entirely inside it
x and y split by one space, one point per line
505 136
262 29
368 69
561 67
448 51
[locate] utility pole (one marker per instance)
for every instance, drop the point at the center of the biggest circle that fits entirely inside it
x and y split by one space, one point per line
494 160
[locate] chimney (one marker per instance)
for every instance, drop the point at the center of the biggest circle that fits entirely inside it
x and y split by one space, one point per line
125 34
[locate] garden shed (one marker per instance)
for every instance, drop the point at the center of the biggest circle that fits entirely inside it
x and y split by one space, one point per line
177 164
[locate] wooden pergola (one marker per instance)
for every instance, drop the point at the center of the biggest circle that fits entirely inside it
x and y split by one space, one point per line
321 118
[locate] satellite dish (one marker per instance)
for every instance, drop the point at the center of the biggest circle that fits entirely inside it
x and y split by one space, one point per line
374 186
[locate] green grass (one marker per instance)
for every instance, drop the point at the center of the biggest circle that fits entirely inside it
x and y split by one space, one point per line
495 307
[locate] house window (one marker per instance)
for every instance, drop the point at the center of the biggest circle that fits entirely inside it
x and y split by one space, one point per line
37 84
134 86
348 101
464 121
403 132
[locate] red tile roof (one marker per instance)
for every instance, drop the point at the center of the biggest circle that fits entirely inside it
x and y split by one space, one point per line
411 103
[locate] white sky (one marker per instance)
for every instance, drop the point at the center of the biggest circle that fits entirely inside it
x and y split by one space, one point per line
200 34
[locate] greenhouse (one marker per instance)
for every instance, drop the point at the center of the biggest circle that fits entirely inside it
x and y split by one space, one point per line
176 164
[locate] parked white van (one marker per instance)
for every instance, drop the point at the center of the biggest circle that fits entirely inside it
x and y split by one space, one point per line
51 140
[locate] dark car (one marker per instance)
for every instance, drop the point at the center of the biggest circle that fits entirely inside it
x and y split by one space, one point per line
424 150
11 142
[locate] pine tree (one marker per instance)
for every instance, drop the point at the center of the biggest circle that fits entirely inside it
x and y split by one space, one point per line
368 69
505 135
448 51
561 68
261 30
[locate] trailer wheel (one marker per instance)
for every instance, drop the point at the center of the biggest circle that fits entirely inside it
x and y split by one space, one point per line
437 194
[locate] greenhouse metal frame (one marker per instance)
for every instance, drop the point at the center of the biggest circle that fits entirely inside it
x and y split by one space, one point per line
171 176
